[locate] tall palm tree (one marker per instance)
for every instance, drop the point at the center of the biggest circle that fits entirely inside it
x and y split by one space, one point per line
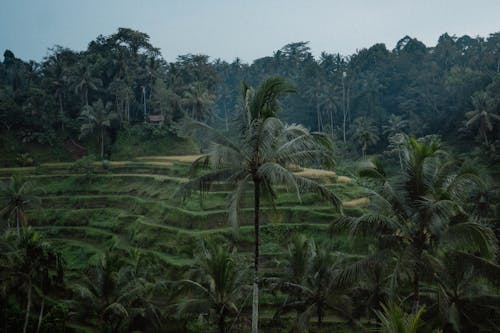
99 117
421 212
265 151
365 133
58 78
217 282
33 267
83 79
315 279
17 196
395 125
109 296
483 116
462 294
199 99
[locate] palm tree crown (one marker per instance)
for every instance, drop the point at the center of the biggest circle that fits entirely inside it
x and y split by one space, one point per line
16 196
418 212
98 116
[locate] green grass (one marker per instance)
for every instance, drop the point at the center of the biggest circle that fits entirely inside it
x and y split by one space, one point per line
133 206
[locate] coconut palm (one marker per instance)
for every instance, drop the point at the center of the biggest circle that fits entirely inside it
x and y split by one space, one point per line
462 294
394 320
395 125
364 133
58 78
483 116
217 282
83 79
415 215
265 151
315 280
199 99
17 196
31 265
97 117
110 296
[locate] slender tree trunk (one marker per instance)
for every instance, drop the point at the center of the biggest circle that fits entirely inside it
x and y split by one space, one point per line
485 137
86 95
416 291
225 116
102 142
128 110
40 317
28 308
255 300
318 116
222 322
416 273
348 104
320 317
61 111
18 223
331 122
344 108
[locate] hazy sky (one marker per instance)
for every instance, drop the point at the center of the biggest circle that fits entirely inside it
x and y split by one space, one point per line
236 28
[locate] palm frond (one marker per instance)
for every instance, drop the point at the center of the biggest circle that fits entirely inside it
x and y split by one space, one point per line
472 235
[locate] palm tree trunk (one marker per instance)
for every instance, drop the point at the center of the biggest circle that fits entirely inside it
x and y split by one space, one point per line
416 291
40 317
318 116
344 108
222 322
320 317
485 137
102 142
225 116
331 122
61 111
28 307
255 299
17 223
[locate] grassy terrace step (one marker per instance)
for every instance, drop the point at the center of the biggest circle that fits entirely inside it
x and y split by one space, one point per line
94 241
155 167
176 216
163 187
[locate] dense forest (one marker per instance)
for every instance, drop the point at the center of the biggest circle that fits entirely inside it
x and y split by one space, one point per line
451 90
293 194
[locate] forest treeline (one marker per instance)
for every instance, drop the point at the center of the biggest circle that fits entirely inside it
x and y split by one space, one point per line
452 89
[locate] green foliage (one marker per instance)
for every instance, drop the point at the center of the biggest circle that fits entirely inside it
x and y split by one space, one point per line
85 166
394 320
150 141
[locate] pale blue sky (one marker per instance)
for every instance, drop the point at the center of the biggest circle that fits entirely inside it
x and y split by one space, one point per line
236 28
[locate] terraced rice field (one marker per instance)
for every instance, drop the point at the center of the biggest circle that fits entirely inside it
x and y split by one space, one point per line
133 206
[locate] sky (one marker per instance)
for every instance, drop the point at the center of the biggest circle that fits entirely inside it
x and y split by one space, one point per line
249 29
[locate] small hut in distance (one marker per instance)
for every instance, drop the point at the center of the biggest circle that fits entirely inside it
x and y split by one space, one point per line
156 119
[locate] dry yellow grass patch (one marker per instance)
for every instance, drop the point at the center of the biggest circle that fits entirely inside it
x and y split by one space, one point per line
343 179
116 163
357 202
316 173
